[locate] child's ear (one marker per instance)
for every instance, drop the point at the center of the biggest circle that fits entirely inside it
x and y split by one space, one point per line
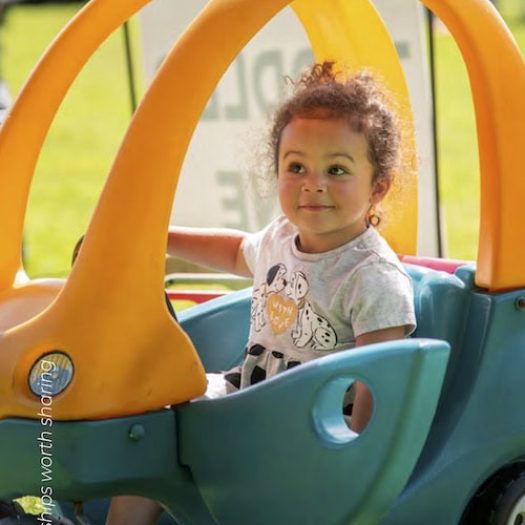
380 189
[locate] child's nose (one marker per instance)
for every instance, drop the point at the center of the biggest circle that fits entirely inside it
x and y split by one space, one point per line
314 182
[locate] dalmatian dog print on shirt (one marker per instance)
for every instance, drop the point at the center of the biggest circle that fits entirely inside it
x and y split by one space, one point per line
275 283
283 304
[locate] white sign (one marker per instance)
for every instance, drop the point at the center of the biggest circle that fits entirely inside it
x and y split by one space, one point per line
213 188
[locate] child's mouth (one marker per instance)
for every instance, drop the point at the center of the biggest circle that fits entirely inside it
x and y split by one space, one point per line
315 207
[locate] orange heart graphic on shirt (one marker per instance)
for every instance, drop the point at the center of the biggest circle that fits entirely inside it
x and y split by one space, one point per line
281 313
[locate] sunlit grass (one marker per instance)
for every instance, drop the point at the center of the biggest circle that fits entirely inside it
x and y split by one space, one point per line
32 504
83 139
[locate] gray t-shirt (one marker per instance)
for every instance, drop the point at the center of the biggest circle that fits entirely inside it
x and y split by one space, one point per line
306 305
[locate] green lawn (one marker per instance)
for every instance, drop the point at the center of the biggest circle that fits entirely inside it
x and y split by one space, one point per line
85 136
83 139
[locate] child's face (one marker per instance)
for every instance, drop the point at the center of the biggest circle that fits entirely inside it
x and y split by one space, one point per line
325 182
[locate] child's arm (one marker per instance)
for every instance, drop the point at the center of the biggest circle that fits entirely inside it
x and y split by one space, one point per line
363 402
217 248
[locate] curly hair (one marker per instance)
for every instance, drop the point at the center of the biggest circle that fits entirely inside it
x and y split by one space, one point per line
359 99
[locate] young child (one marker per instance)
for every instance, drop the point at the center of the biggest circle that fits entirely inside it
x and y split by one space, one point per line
324 278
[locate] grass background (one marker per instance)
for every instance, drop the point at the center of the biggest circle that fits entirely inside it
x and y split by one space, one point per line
82 141
94 116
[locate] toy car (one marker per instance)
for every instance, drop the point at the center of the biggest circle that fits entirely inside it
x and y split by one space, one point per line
86 370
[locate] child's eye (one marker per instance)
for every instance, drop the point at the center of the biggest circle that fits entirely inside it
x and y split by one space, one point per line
295 167
337 170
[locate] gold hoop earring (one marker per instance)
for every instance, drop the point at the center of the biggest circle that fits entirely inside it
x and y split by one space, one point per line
373 219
